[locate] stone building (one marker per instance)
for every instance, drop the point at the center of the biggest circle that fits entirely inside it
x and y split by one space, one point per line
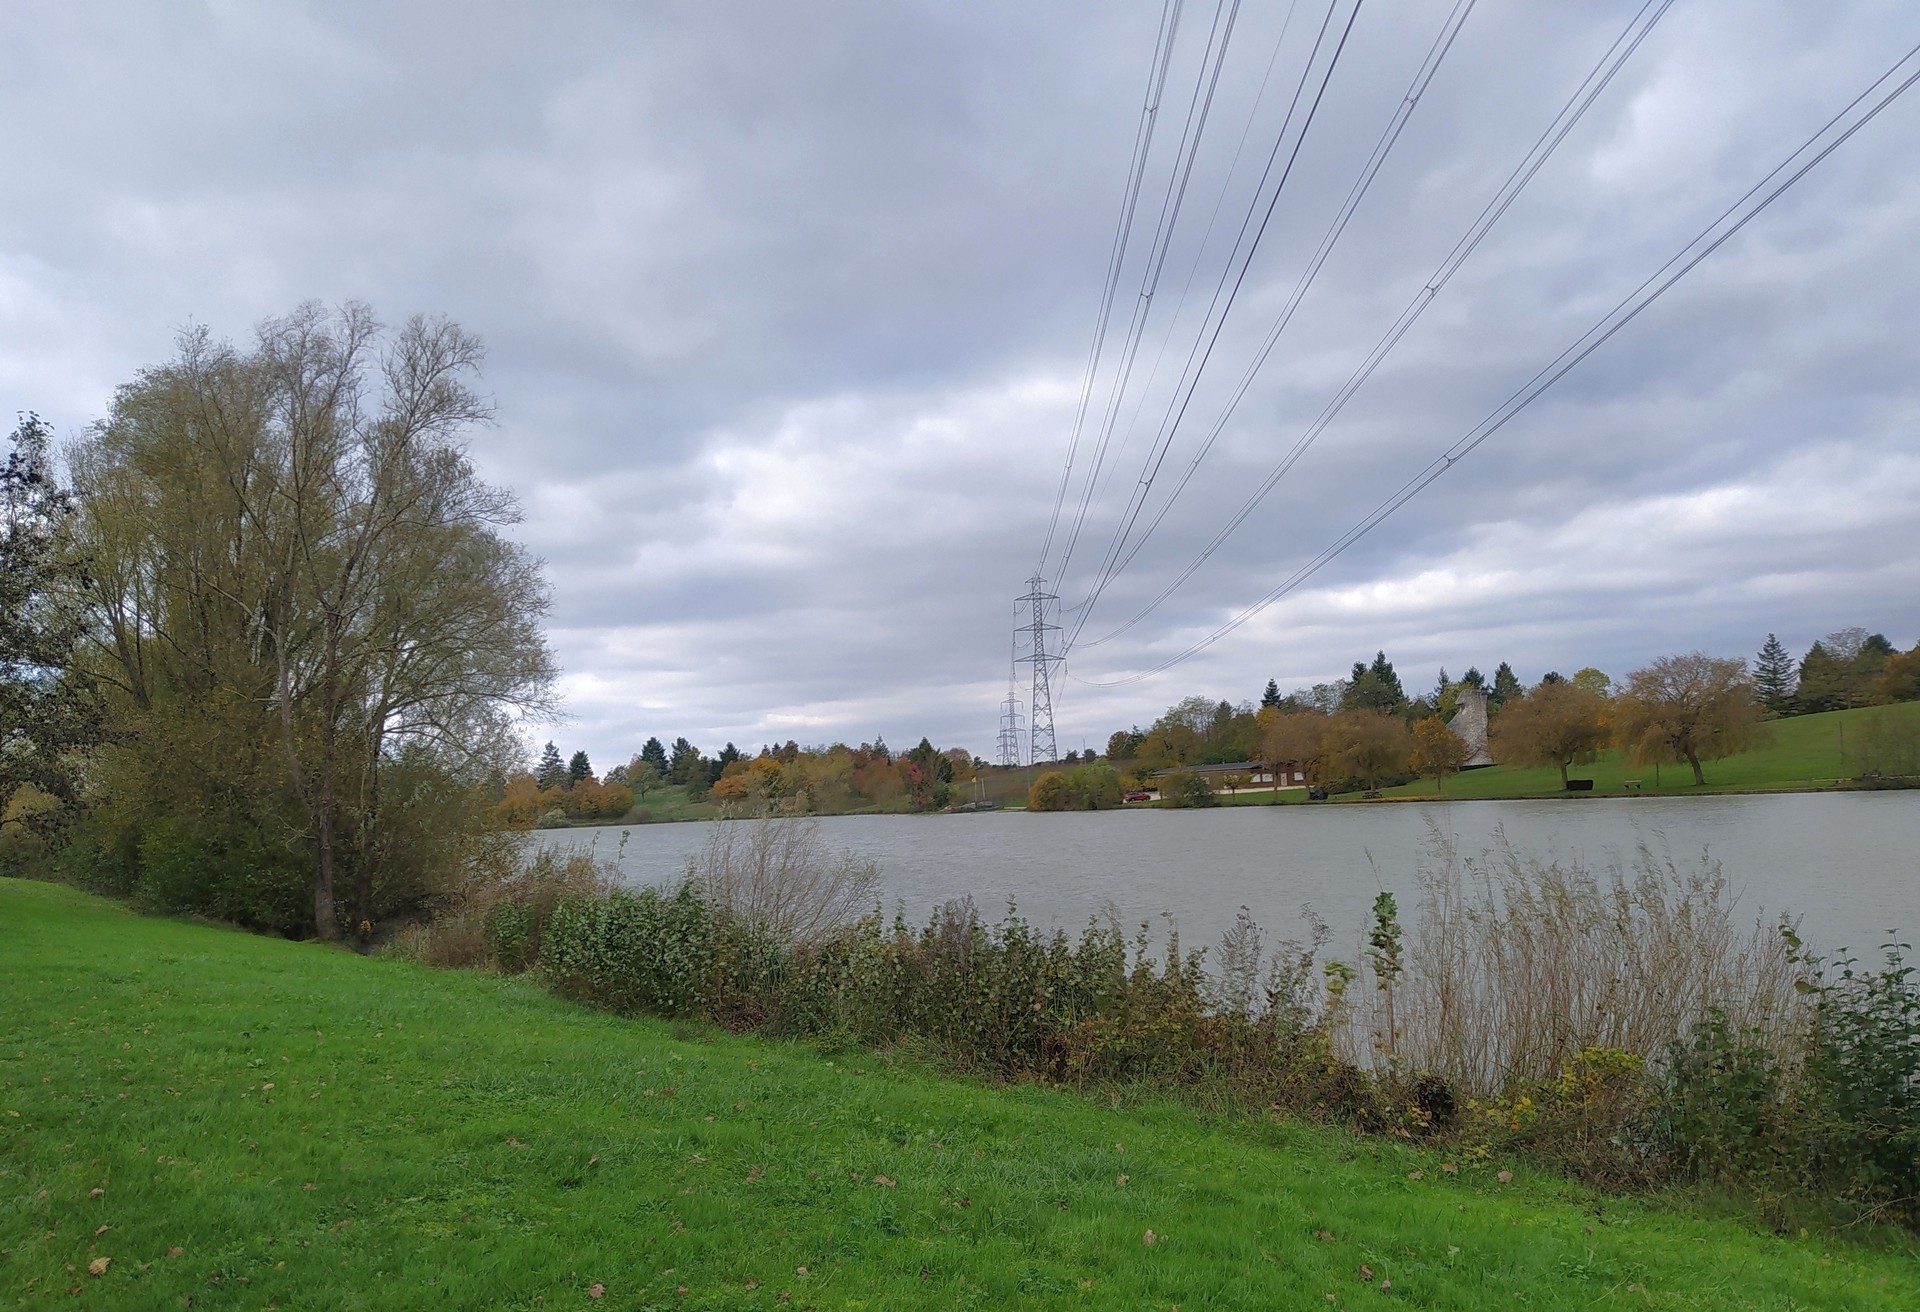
1469 724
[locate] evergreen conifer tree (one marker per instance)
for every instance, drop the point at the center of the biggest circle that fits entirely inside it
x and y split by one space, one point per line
578 768
1506 685
550 770
1271 697
1820 686
1773 678
655 754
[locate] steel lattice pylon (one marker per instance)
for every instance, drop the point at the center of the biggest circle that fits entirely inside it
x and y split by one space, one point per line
1041 747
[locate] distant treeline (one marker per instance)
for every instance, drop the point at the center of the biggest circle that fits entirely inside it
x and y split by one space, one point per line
1367 731
830 778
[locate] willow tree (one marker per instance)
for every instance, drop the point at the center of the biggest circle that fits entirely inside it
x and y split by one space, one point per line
1692 707
292 535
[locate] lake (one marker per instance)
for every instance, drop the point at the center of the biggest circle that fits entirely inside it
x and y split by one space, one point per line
1848 864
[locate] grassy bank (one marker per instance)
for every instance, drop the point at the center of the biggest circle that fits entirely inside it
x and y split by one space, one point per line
1807 753
237 1121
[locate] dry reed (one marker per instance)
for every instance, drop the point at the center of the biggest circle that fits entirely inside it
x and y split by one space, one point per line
1516 965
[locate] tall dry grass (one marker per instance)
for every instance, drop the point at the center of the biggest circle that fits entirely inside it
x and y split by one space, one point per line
775 878
1515 965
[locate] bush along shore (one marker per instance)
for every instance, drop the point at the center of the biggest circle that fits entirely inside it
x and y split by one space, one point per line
1620 1026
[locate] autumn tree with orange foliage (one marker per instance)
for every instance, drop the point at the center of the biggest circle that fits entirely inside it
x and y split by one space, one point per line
1437 751
1556 723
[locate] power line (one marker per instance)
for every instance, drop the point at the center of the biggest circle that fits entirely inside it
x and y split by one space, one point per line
1116 257
1198 112
1403 112
1583 98
1716 234
1198 358
1094 488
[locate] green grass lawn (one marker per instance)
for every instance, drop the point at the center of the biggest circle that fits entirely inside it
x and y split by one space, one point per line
212 1119
1806 751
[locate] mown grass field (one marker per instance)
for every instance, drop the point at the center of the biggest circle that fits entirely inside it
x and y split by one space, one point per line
209 1119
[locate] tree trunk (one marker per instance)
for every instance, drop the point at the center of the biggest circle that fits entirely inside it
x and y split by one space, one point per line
1563 775
1699 778
325 922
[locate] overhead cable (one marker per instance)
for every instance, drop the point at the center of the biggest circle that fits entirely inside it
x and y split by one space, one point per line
1583 98
1831 136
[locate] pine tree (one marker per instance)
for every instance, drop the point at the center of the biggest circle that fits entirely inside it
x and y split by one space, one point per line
550 770
1506 685
1382 671
1271 697
1773 677
1821 685
578 768
655 755
686 764
1440 687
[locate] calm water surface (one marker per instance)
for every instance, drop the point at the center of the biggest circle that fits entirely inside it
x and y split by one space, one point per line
1847 863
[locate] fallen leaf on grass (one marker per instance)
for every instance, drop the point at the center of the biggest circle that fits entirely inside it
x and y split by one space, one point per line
1450 1168
1366 1272
1325 1236
99 1265
1505 1177
1120 1181
1416 1175
176 1251
596 1291
799 1270
1149 1238
886 1181
95 1193
102 1230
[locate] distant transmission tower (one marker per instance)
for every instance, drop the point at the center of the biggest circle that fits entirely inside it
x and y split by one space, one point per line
1040 744
1010 718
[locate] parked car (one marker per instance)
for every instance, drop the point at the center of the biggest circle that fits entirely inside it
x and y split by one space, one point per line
1138 796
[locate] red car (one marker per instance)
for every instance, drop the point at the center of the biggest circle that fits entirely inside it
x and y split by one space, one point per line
1137 796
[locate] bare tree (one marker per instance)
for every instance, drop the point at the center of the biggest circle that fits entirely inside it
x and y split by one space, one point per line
1692 707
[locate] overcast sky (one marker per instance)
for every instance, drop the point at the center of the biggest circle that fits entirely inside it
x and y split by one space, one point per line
788 308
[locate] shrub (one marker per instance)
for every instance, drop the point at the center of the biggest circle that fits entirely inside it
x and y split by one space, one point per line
1182 790
1859 1099
1094 787
644 951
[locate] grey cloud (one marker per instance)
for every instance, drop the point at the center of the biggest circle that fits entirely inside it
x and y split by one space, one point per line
786 308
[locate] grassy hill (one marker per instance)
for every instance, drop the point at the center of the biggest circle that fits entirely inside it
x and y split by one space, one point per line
210 1119
1805 752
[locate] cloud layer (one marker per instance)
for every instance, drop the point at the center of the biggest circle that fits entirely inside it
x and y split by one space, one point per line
788 308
